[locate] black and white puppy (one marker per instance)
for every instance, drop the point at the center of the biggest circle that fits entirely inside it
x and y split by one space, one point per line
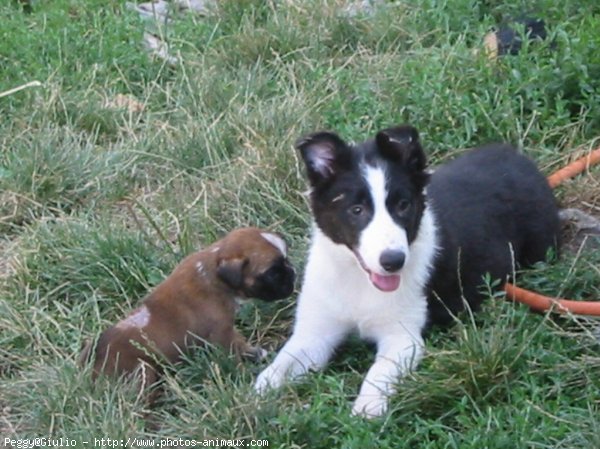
395 250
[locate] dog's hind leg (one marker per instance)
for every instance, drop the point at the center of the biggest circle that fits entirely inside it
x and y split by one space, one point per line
86 353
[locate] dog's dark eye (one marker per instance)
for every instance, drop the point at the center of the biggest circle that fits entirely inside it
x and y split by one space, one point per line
357 210
402 206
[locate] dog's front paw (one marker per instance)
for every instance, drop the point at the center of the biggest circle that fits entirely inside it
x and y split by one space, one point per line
370 407
268 379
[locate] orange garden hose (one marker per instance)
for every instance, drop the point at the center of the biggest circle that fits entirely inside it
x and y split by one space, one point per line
542 303
574 168
538 301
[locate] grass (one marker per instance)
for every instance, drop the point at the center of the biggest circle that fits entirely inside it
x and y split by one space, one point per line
98 204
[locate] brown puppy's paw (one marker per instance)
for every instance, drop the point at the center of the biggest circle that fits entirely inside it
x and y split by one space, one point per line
255 353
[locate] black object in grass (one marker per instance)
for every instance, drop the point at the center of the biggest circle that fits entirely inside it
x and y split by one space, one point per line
507 40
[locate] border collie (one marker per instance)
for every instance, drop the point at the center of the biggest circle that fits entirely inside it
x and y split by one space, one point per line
395 250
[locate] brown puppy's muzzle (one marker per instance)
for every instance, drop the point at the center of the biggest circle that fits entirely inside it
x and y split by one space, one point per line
277 282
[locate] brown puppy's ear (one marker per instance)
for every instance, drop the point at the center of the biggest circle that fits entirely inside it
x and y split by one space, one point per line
231 271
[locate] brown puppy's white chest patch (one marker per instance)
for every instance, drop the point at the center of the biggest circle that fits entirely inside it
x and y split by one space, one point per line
139 319
200 268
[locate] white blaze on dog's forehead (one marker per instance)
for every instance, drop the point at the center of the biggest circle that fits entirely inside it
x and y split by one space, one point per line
382 233
276 241
409 139
138 318
215 249
338 198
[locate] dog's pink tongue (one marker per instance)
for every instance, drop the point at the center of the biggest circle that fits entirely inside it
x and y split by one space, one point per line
385 283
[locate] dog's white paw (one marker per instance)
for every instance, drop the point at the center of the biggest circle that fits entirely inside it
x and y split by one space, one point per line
268 379
370 407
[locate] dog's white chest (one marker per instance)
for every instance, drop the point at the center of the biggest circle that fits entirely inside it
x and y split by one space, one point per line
336 286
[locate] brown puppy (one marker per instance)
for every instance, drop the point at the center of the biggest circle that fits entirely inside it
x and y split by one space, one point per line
196 304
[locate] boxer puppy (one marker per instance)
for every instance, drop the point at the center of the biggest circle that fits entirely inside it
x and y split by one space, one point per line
196 305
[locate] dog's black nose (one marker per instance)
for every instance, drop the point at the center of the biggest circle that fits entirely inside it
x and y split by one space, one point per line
392 260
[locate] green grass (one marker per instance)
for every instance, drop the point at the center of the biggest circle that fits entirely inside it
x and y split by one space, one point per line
98 204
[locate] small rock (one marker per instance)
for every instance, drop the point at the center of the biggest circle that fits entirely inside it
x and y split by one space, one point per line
201 7
151 10
127 102
159 48
581 220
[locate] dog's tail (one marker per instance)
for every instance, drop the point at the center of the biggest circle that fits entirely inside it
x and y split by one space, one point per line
87 349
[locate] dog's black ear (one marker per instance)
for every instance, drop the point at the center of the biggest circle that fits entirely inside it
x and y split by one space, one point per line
324 155
401 144
231 271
